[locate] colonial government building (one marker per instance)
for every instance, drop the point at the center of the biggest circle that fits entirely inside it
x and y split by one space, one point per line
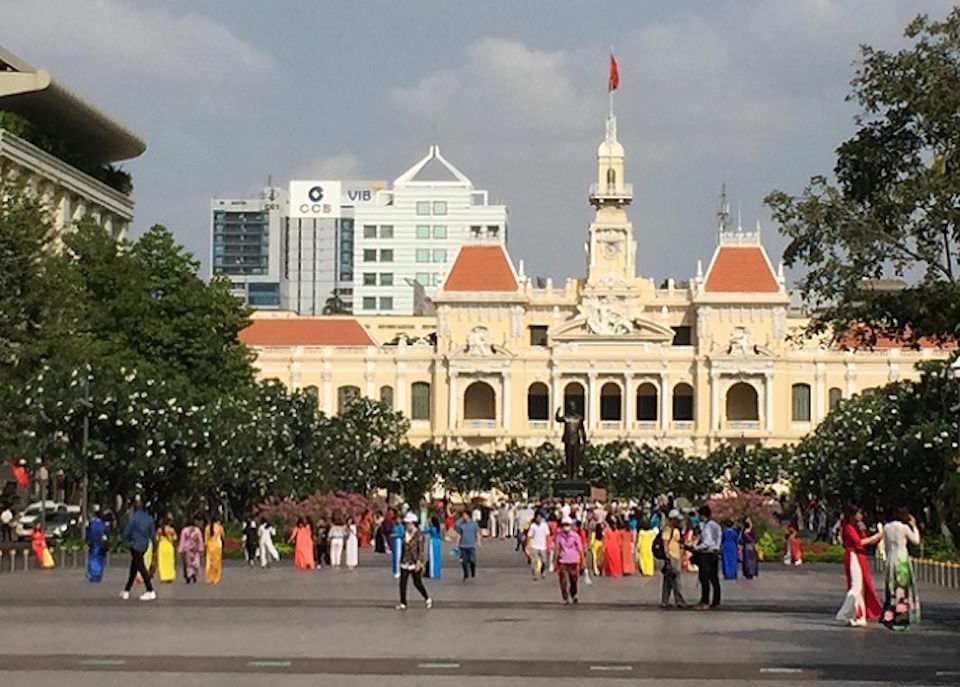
689 366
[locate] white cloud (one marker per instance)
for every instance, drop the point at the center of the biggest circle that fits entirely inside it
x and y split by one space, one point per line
343 166
160 55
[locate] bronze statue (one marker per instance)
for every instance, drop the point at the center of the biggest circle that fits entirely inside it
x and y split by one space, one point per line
574 437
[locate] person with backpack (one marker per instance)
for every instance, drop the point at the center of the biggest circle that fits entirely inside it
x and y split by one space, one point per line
668 548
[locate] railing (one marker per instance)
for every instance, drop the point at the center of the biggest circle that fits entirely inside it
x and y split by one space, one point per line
478 424
608 425
682 425
63 557
646 425
742 425
929 571
539 424
611 191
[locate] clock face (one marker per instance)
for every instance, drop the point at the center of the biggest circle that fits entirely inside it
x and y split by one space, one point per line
610 249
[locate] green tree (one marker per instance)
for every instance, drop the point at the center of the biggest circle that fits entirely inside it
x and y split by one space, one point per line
894 210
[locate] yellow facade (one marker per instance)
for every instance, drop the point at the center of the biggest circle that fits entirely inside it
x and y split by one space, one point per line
713 360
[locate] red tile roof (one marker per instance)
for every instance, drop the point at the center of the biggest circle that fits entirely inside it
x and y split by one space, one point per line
741 269
306 331
481 268
857 338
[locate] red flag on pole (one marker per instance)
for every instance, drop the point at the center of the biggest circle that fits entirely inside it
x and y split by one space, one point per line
614 81
19 474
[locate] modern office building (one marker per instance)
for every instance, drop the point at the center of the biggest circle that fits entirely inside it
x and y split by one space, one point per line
246 245
406 240
79 180
713 360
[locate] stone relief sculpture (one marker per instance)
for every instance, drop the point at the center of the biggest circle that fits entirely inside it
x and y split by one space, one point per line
604 318
741 342
478 342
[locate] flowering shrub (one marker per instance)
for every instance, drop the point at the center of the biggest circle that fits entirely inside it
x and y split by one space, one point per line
283 514
745 504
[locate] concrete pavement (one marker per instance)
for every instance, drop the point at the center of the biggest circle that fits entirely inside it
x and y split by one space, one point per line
501 628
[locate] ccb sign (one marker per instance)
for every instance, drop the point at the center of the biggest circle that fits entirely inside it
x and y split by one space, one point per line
315 199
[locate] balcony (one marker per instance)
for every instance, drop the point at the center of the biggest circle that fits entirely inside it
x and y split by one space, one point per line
610 191
742 425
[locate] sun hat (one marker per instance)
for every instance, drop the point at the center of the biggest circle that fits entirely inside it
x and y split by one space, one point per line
410 517
673 513
567 520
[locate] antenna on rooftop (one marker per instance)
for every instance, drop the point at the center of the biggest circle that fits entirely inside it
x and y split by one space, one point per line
723 209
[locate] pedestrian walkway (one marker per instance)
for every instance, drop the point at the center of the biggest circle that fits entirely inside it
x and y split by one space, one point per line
285 622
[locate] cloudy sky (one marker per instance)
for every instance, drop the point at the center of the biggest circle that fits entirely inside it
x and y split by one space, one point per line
750 93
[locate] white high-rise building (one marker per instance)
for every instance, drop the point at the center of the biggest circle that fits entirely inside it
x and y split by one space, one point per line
406 241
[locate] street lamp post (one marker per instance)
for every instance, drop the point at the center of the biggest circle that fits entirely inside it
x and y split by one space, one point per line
85 481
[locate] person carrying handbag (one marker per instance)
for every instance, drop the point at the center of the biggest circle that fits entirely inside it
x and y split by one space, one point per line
411 561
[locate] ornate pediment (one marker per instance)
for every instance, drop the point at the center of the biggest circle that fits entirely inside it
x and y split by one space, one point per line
741 345
479 348
607 319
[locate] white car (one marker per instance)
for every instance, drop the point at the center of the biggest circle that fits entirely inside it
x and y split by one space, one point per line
58 518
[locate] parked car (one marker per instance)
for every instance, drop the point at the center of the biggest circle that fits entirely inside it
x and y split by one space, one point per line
57 517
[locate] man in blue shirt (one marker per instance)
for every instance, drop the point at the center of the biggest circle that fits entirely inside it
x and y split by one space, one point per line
468 531
708 559
138 533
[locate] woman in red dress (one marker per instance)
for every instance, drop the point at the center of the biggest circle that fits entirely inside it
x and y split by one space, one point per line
861 603
365 530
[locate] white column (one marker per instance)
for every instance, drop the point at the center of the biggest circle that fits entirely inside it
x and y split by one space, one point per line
556 395
329 406
851 379
666 397
452 400
593 401
768 401
714 402
402 394
505 420
819 393
630 406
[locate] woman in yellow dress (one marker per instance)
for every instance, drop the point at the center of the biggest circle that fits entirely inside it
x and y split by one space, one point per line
645 559
166 552
213 537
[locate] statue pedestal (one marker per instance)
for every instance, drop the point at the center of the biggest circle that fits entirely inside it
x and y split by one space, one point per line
572 488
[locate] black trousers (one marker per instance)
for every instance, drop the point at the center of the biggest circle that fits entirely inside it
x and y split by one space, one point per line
709 574
405 576
137 565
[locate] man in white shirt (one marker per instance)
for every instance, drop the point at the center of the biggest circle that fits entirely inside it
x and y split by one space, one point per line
538 533
6 521
708 559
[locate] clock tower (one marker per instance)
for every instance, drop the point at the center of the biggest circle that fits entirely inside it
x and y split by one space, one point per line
611 253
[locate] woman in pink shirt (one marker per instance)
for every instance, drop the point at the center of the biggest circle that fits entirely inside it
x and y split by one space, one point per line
569 554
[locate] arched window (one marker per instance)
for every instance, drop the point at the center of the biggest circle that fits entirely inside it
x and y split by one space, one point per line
800 394
648 407
742 402
611 403
479 402
834 396
538 402
611 177
683 402
420 401
345 396
386 396
573 394
313 392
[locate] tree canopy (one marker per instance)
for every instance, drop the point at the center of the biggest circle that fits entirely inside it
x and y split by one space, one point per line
893 211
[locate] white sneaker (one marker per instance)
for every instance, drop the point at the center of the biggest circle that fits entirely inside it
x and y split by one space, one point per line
429 603
401 607
124 595
148 596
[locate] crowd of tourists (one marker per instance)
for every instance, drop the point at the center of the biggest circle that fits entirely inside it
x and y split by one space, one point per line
578 541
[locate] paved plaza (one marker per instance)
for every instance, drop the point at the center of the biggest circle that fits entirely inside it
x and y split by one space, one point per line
286 627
